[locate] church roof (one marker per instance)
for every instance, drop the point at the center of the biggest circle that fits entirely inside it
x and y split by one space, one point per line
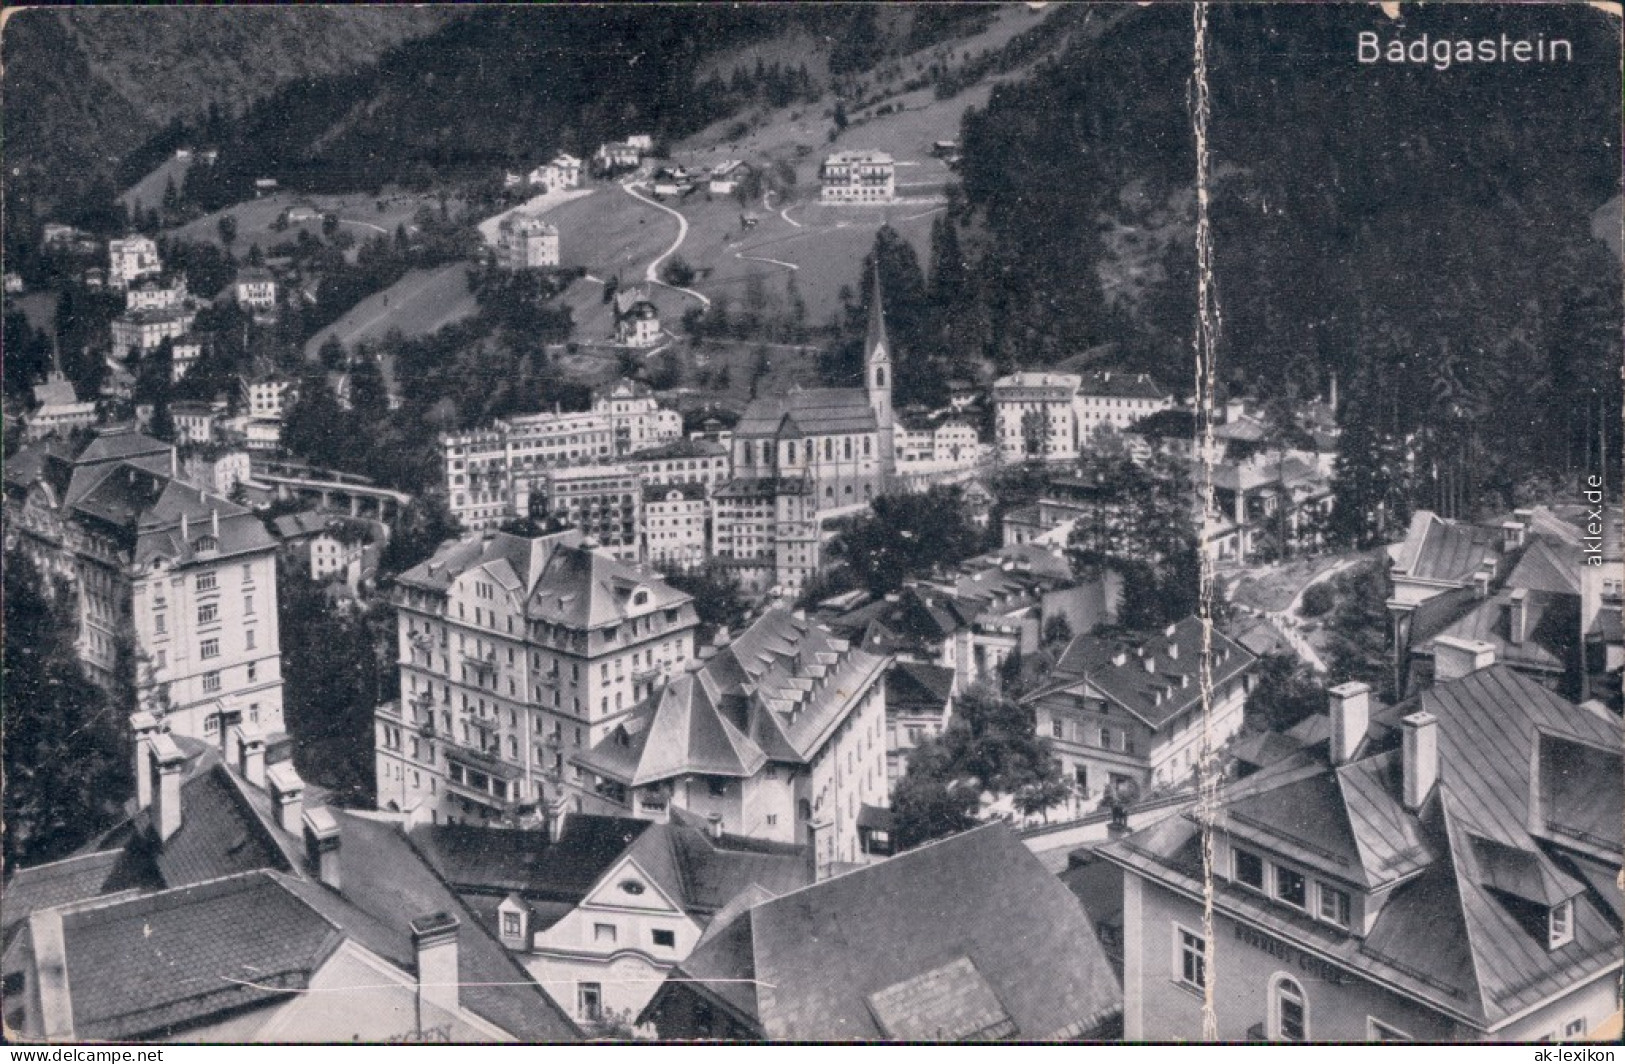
809 412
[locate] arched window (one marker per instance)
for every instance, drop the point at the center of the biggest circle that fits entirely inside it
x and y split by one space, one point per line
829 448
765 453
1289 1010
847 450
867 446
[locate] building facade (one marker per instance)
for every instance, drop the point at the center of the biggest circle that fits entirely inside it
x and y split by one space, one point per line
1442 870
603 501
130 259
1035 417
1112 397
765 532
136 332
849 177
514 652
185 580
779 736
492 473
526 242
1117 712
676 526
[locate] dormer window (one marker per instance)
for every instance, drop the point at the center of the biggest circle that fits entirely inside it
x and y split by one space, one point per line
205 544
1560 925
1291 888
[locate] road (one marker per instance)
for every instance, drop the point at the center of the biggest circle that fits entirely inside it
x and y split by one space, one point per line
652 274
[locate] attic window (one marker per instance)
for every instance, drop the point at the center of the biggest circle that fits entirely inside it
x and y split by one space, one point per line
640 597
631 886
1560 925
204 544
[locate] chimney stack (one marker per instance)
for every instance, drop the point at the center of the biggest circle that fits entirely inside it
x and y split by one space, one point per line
166 762
1420 751
250 752
714 825
1512 535
1351 716
214 522
434 939
287 796
322 846
143 726
1518 616
1454 657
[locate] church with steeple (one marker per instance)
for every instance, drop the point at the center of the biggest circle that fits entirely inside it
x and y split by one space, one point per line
839 440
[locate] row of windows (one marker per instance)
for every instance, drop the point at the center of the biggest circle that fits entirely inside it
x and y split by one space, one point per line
1290 887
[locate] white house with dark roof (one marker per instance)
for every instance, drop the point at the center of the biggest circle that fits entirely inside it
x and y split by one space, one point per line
1117 710
599 909
227 909
1116 398
515 652
963 939
1035 418
1442 870
780 734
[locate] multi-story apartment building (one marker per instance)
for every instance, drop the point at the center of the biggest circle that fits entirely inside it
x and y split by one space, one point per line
842 439
267 396
676 526
766 533
1442 870
1035 418
255 289
1112 397
685 461
602 501
156 293
780 735
185 579
1120 712
858 177
526 242
140 331
513 652
185 353
492 473
130 259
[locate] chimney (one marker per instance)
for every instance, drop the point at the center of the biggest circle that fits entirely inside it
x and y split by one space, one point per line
1454 657
434 939
174 463
287 796
250 752
143 726
1518 616
1151 663
558 811
186 528
1173 651
1119 659
1351 716
714 826
1512 535
214 522
322 846
166 762
1421 758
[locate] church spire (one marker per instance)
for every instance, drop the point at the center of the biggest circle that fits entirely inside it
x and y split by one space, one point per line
876 337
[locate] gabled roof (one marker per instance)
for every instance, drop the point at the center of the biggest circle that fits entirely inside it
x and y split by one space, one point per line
152 966
1159 676
971 930
583 588
1545 566
1551 634
525 557
501 859
913 688
775 693
1115 384
808 412
1445 551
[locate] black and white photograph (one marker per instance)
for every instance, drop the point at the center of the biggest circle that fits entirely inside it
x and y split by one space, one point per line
812 523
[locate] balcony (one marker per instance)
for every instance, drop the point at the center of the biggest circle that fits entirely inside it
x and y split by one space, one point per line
647 673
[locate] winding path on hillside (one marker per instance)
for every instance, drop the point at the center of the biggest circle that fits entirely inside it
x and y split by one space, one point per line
652 274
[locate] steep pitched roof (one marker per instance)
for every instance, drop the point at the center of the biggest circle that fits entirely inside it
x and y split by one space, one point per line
875 337
1115 384
1159 677
973 919
582 588
501 859
775 693
1463 926
1548 567
1446 551
808 412
152 966
1551 630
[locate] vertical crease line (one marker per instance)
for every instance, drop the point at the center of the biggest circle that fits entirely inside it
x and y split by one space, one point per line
1208 320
